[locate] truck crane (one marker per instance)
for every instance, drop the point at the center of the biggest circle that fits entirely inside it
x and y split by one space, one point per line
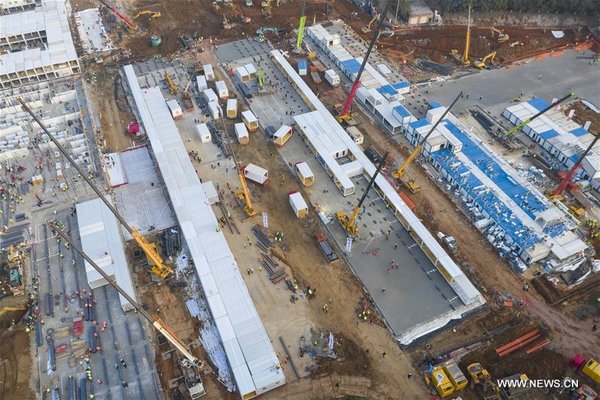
349 223
189 360
128 22
157 264
153 14
566 181
301 24
465 57
399 173
243 195
170 83
345 115
528 120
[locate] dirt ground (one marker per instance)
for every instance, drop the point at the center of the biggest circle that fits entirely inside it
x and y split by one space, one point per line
15 365
584 114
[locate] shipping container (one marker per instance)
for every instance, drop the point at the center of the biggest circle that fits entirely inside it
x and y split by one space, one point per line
305 174
232 108
203 133
241 133
355 134
298 204
352 169
302 67
201 82
256 174
251 71
211 192
283 134
175 109
209 73
332 77
242 74
441 382
214 110
222 90
250 120
210 95
434 114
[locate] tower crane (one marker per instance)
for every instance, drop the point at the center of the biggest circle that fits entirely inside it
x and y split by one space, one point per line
349 223
189 360
157 264
128 22
571 174
399 173
528 120
345 114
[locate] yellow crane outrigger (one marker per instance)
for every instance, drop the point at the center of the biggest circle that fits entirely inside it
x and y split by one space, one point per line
157 264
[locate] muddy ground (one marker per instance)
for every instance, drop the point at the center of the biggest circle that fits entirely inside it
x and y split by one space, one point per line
15 364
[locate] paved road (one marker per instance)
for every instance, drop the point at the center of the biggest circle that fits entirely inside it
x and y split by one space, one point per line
559 76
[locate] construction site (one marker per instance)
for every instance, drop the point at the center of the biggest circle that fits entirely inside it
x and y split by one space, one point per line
296 200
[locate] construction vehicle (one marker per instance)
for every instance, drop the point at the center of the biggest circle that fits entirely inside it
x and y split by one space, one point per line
399 173
502 37
568 179
188 104
189 360
157 264
128 22
301 24
465 57
153 14
481 376
542 112
238 13
349 223
170 83
367 28
325 247
481 64
345 114
260 77
243 195
584 392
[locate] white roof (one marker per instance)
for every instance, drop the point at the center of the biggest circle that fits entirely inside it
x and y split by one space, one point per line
249 116
231 104
173 105
101 240
282 131
250 68
214 262
240 130
220 85
208 69
202 130
298 201
304 169
255 169
241 71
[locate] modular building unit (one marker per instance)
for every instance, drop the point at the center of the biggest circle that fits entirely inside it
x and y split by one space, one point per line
250 120
383 69
332 77
242 74
256 174
242 133
441 382
456 376
251 71
214 110
175 109
298 204
302 67
210 95
209 72
232 108
434 114
201 82
203 133
355 134
305 173
222 90
283 134
211 192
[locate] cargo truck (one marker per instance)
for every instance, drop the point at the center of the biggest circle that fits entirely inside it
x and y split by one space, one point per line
325 247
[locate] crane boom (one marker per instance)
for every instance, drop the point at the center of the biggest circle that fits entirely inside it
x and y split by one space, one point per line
465 57
159 324
571 174
400 171
244 195
129 23
522 124
345 115
158 266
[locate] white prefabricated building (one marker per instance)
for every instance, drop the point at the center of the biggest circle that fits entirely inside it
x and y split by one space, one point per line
305 173
101 240
251 70
256 174
242 74
298 204
355 134
209 72
241 132
210 95
232 108
175 108
214 110
332 77
222 90
201 82
250 120
283 134
203 133
211 192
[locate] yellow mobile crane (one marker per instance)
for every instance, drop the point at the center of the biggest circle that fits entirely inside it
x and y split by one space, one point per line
243 194
189 360
170 83
153 14
465 57
349 223
157 264
399 173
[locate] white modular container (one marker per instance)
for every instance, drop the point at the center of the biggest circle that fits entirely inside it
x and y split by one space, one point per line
434 114
175 109
210 95
209 72
305 173
214 110
222 90
332 77
352 169
375 98
256 174
241 133
298 204
250 120
211 192
232 108
355 134
383 69
251 71
201 82
242 74
283 134
203 133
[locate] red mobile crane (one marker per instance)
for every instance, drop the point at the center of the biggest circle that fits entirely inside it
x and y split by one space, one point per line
128 22
345 114
571 174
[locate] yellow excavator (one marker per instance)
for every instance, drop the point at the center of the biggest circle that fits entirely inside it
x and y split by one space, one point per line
502 37
243 195
349 223
481 64
399 173
464 59
153 14
481 376
170 83
157 264
367 28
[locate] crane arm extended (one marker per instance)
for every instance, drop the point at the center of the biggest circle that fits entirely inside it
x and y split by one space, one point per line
130 24
399 173
356 83
369 186
465 58
150 251
247 199
154 320
571 174
522 124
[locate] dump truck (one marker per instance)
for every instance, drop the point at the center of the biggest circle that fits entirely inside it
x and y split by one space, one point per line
325 247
